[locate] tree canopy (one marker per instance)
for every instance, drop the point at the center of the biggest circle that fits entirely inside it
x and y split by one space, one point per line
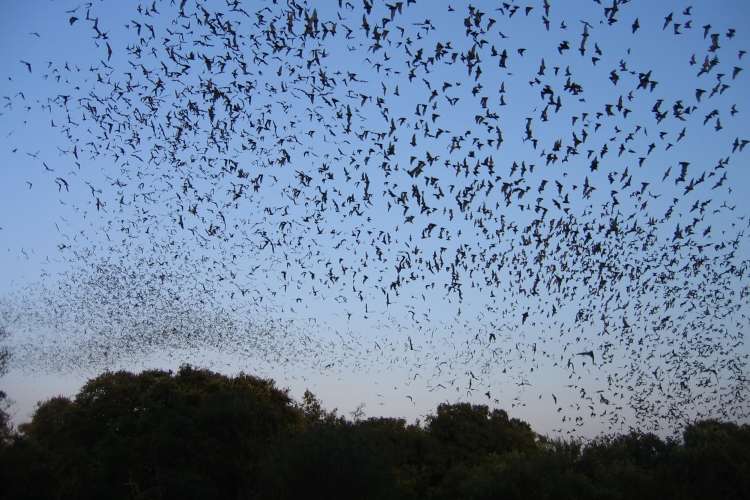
200 434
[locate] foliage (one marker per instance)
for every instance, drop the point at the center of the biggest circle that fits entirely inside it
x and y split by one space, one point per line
195 434
199 434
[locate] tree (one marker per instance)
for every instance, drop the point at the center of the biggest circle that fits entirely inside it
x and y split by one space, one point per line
199 434
473 430
545 473
635 464
715 460
193 434
331 460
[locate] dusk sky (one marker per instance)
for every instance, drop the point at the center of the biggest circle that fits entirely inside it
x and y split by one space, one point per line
538 206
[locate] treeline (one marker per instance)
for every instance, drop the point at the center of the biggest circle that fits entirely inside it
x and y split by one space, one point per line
199 434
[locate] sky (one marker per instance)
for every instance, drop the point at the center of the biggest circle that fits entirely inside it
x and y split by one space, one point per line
100 273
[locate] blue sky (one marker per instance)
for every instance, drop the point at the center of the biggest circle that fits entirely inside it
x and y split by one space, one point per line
82 294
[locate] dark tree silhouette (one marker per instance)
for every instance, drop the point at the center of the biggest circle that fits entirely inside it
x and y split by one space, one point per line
199 434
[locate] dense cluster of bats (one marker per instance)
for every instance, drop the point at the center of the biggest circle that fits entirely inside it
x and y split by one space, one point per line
502 188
